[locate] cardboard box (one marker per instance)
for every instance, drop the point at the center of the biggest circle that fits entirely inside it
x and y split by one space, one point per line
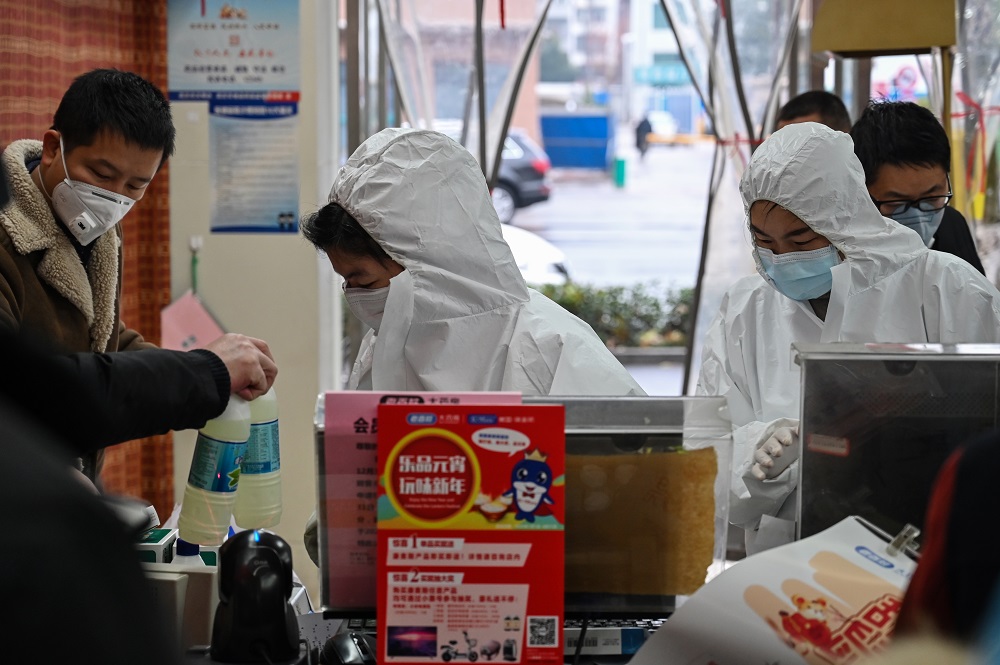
157 546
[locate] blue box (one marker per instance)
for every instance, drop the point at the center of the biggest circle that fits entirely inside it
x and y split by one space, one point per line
579 139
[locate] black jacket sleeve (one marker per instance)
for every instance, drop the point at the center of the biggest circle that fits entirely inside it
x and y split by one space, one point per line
61 544
93 400
954 237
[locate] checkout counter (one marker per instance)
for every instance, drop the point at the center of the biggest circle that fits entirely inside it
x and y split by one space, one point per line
647 483
648 478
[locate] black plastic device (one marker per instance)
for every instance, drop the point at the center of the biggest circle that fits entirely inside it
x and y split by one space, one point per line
254 622
348 648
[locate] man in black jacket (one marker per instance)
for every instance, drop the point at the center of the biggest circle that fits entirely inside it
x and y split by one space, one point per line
906 156
136 394
71 579
68 558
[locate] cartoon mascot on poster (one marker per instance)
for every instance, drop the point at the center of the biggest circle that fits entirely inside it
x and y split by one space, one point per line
809 623
530 479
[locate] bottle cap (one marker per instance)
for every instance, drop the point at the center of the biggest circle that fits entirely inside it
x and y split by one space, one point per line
184 548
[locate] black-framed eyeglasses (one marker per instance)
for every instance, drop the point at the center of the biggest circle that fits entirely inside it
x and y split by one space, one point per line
925 204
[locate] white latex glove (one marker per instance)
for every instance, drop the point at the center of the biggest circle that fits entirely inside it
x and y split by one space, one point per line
776 453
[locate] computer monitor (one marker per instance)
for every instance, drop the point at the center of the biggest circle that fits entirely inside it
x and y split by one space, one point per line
878 422
647 503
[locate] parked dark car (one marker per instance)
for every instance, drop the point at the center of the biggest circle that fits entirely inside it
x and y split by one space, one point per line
523 178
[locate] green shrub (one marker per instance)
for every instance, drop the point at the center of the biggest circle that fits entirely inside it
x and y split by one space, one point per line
639 315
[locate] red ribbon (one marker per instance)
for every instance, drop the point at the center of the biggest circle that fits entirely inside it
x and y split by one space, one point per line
737 141
503 17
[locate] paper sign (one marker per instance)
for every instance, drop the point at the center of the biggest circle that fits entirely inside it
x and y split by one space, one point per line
471 518
185 324
347 490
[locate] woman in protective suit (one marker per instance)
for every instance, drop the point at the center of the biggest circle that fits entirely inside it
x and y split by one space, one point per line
833 269
411 228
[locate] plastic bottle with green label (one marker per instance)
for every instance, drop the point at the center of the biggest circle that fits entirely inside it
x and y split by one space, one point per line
258 501
215 475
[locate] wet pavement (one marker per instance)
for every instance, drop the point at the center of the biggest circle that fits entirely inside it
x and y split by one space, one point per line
648 231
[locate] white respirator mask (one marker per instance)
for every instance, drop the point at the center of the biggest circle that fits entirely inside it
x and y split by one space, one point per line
368 305
86 210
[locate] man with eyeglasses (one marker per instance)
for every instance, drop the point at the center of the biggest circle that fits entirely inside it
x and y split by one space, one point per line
831 268
906 157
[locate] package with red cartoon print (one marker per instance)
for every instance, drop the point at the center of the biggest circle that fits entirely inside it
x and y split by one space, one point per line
471 515
830 599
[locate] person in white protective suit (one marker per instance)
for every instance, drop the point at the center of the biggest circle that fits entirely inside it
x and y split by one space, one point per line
833 269
439 287
411 228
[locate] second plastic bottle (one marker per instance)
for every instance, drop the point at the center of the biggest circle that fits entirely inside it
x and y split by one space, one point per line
215 474
258 501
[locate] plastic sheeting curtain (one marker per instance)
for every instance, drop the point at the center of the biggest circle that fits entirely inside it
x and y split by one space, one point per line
453 73
975 121
735 52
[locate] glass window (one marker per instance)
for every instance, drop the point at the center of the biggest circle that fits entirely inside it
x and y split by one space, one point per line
666 58
660 21
591 14
511 150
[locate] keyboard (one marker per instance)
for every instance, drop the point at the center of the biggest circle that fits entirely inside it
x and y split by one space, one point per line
608 637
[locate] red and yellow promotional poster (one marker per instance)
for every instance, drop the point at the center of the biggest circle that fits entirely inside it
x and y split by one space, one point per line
471 516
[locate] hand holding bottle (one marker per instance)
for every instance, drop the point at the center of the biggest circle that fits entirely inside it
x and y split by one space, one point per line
251 366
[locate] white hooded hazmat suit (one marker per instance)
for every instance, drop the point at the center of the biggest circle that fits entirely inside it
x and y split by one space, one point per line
889 288
459 317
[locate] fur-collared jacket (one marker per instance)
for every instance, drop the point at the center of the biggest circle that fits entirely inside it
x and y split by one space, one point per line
44 287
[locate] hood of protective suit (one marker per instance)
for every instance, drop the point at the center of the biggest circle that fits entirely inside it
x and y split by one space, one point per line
407 188
812 171
459 317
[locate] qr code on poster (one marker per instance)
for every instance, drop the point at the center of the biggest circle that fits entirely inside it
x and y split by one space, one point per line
542 632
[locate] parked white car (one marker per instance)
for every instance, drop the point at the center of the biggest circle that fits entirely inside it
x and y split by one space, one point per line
540 261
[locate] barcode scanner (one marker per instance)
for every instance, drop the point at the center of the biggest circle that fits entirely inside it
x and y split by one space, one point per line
254 622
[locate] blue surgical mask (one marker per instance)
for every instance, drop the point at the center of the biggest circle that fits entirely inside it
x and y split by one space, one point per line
924 223
800 275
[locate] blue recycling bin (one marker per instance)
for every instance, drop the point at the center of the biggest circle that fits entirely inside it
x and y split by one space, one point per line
579 139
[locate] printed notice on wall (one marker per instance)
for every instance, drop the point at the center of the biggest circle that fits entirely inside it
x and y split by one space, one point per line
347 490
241 59
471 515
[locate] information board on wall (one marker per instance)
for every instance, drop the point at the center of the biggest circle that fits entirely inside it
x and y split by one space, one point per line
471 515
241 59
